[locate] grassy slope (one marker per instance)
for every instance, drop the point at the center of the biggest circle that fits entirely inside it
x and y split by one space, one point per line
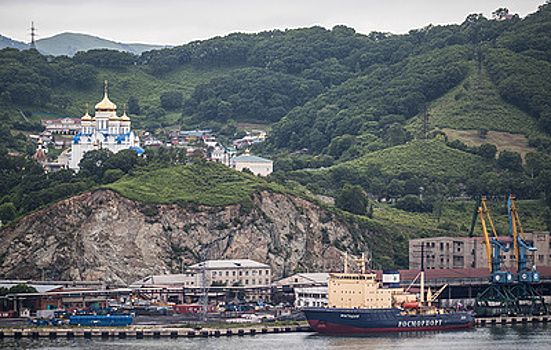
502 140
431 157
476 104
456 216
210 184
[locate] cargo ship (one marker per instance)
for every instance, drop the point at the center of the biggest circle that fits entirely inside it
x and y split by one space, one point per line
359 304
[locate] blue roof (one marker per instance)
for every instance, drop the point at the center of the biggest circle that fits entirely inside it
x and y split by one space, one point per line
195 132
138 150
76 138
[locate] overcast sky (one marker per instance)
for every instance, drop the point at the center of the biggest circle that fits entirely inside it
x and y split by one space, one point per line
176 22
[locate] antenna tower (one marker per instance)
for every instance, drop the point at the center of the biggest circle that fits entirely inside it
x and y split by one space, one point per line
33 36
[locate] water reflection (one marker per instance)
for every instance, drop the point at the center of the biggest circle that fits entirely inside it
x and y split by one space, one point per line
537 337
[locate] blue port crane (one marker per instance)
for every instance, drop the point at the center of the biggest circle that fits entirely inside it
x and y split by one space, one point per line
494 247
526 271
508 293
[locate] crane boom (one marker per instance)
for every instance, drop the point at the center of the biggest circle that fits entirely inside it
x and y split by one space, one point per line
494 255
521 246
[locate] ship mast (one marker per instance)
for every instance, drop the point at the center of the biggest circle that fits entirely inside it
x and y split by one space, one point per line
422 294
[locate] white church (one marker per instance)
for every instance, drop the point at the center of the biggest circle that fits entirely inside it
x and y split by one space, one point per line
103 131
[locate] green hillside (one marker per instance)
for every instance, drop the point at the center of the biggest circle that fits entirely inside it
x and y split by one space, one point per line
345 109
401 170
209 184
475 104
432 158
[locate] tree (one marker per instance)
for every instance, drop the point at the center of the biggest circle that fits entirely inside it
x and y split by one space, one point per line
112 175
7 212
133 105
22 288
536 162
510 161
352 199
123 160
500 13
94 162
171 99
487 151
412 203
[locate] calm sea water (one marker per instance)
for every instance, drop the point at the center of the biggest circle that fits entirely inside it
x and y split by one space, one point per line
498 338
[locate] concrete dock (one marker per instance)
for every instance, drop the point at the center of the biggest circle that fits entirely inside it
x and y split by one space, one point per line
140 332
504 320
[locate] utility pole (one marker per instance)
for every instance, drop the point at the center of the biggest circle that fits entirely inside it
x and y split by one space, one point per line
204 287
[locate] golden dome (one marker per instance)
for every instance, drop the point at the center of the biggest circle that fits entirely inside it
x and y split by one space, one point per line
106 105
40 141
124 118
86 118
113 118
96 144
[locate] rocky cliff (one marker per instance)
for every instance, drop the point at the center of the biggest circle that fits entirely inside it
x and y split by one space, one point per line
102 235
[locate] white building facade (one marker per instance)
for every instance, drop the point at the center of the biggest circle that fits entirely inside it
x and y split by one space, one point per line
104 131
257 165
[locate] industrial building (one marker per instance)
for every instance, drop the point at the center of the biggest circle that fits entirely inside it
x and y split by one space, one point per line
470 252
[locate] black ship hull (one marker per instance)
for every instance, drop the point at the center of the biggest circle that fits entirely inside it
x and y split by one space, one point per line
363 321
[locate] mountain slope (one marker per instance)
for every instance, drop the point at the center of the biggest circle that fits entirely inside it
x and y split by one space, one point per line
70 43
7 42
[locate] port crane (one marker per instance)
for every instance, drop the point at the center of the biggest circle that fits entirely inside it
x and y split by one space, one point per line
508 293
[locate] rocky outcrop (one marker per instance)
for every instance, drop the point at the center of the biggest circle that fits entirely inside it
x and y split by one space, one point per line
104 236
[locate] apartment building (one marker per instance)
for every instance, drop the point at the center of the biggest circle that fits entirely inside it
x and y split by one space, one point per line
470 252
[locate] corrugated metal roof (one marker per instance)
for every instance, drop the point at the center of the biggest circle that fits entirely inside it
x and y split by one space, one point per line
457 273
163 280
316 277
250 158
227 264
40 288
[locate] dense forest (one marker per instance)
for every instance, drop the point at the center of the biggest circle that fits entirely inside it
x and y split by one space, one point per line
373 113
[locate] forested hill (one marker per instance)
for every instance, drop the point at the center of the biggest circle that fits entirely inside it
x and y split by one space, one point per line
415 119
262 77
331 96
